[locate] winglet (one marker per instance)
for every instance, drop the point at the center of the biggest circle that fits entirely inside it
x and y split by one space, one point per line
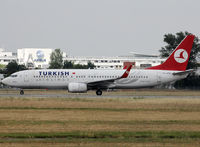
126 73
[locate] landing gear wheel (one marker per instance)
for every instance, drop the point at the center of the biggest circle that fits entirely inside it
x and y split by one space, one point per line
21 92
99 92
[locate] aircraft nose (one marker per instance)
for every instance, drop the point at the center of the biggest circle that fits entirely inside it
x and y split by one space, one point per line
5 81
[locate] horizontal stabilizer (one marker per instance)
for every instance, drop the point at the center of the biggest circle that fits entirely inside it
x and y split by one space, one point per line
184 72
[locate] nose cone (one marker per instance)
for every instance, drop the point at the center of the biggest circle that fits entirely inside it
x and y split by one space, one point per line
5 81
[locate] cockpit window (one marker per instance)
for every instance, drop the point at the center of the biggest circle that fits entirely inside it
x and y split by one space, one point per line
13 76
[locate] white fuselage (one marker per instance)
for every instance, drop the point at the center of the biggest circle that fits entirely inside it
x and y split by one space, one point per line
60 78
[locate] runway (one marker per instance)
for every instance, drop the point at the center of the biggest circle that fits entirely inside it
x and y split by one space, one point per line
44 94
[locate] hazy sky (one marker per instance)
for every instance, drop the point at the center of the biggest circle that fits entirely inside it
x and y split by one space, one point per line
95 27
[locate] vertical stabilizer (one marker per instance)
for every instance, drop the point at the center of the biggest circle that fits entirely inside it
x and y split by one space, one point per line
178 60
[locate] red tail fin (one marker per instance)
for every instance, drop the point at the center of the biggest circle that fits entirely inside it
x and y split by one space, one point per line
178 60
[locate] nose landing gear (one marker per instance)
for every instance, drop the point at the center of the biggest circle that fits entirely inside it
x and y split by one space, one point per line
99 92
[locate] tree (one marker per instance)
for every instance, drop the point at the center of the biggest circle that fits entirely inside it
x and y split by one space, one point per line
68 65
79 66
56 59
173 41
2 66
2 69
12 67
90 65
71 65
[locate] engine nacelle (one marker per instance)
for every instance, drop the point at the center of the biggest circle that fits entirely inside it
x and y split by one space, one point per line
77 87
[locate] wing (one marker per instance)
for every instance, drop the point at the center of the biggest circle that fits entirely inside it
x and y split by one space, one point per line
104 84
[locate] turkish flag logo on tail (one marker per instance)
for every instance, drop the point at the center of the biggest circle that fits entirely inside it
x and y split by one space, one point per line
181 56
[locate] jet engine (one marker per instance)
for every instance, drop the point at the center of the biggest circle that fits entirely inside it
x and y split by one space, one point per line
77 87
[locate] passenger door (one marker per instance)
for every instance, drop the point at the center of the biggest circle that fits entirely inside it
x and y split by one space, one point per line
26 78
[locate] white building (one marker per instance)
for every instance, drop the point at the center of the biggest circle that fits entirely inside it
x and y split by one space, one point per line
6 57
34 57
138 60
40 58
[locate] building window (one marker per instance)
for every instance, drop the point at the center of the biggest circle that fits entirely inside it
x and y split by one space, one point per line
145 65
6 60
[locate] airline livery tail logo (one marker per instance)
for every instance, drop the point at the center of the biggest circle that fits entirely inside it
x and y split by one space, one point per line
181 55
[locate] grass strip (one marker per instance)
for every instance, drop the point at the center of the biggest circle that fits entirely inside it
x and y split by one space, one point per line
149 135
95 122
104 109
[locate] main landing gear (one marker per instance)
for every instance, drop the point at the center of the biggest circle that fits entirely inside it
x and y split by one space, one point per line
21 92
99 92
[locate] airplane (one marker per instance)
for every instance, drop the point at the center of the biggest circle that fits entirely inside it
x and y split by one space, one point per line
82 80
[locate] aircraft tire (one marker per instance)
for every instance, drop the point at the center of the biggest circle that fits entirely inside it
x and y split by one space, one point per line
21 92
99 92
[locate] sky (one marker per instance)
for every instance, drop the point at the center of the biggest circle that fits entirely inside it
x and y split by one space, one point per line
95 27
